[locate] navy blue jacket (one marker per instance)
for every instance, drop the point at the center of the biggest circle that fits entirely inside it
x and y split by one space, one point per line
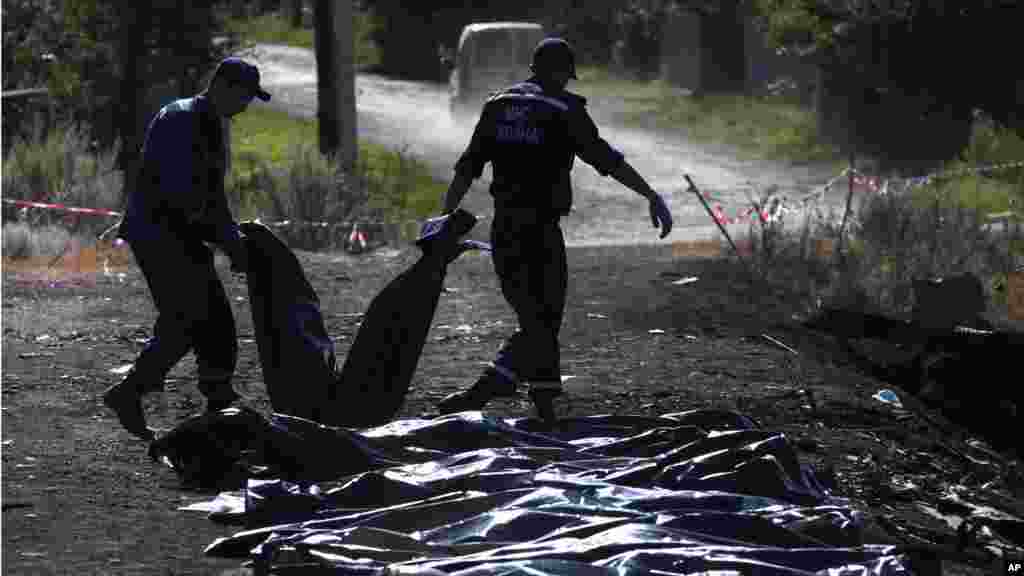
180 189
531 137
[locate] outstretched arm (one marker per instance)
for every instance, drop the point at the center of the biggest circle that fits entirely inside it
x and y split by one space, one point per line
630 178
471 164
626 175
457 190
608 161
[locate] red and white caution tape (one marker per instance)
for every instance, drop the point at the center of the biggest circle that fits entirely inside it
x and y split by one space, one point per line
61 207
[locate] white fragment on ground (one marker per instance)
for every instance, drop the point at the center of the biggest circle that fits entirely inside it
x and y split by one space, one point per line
122 370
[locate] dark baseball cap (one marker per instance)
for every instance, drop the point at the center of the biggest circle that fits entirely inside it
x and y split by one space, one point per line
238 71
554 50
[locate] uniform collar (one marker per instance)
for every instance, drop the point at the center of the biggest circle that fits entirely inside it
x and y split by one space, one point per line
540 87
205 106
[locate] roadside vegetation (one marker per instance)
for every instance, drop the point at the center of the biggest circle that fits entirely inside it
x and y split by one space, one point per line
775 128
274 28
277 173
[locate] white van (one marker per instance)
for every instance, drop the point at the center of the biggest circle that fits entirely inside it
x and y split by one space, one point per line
490 56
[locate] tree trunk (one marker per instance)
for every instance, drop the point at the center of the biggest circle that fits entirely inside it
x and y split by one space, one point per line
295 13
131 43
269 6
327 86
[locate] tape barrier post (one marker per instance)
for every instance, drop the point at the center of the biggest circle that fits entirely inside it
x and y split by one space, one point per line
693 188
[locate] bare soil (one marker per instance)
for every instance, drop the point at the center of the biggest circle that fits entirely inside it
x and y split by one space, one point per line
81 496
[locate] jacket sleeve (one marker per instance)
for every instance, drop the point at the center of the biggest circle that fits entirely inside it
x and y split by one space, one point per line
170 169
191 178
215 219
478 153
590 147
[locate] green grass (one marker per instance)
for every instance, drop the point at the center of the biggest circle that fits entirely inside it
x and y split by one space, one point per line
774 128
771 128
265 141
273 28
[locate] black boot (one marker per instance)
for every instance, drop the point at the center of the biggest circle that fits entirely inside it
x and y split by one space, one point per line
489 386
543 401
219 394
125 399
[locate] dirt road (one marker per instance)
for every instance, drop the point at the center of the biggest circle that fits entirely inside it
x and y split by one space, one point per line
414 116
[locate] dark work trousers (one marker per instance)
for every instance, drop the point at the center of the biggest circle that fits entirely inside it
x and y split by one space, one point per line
529 259
193 315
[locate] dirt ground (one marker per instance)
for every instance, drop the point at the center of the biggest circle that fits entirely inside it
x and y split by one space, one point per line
81 496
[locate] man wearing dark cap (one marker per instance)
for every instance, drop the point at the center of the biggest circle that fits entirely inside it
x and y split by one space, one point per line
178 205
530 133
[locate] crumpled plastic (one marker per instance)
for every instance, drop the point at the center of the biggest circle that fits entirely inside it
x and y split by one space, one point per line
469 494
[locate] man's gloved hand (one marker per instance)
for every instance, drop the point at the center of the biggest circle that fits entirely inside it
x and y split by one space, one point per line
238 252
660 214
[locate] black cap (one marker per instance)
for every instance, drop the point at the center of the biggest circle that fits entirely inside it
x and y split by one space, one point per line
239 71
554 50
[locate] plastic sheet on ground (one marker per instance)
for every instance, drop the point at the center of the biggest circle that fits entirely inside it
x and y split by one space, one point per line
683 493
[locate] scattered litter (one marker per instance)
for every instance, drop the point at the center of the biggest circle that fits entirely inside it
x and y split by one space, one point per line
44 338
887 396
122 370
655 331
780 344
684 281
224 502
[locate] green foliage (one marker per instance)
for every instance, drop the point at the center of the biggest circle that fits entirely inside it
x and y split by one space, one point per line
901 239
892 60
768 127
62 166
71 47
273 28
399 185
278 172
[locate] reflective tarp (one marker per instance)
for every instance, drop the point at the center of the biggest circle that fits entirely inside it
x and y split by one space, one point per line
687 493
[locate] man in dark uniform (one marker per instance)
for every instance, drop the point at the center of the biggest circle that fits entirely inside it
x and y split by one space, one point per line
177 205
531 132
